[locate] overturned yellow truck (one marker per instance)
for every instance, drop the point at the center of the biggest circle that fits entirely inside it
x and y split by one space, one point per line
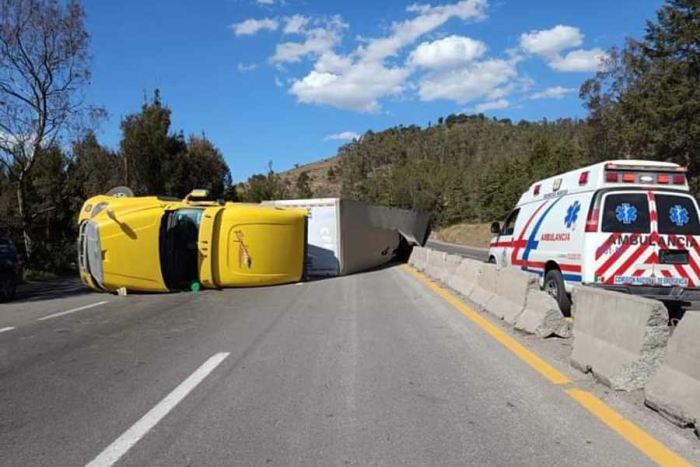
155 244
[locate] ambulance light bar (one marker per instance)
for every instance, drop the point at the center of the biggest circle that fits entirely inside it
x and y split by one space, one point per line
645 168
631 177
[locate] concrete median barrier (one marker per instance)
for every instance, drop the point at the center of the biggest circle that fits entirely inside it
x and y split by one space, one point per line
418 258
674 390
465 278
617 337
542 316
485 286
452 263
512 286
435 267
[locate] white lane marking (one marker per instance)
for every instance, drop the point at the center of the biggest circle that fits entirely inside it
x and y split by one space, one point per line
62 313
121 446
7 329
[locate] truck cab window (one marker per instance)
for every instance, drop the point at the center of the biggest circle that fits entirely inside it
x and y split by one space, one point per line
509 224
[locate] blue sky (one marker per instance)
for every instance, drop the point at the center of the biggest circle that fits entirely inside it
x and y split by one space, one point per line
290 80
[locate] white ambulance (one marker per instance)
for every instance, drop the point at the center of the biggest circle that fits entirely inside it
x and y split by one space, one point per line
624 225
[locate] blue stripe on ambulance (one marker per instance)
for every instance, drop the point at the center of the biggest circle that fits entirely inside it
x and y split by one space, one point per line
532 244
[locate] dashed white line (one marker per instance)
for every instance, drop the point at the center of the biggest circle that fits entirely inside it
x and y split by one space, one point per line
121 446
7 329
67 312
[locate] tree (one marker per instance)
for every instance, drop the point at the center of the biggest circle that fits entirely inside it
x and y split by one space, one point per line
148 147
93 169
265 187
43 67
201 166
303 185
645 103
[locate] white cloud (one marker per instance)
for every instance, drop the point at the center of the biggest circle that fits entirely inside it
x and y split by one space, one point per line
356 88
295 24
252 26
580 60
246 67
548 43
429 18
266 2
358 80
278 82
344 136
318 40
492 105
557 92
447 53
466 84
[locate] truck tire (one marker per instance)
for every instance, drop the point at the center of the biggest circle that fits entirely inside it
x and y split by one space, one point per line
554 286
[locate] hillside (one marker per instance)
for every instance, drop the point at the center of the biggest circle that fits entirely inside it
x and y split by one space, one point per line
320 183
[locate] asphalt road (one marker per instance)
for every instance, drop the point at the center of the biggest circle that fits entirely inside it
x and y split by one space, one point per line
369 369
464 251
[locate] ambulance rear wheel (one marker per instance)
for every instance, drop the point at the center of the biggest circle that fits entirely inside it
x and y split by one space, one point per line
554 286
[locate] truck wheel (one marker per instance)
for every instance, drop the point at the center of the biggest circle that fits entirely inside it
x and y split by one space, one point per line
554 286
492 260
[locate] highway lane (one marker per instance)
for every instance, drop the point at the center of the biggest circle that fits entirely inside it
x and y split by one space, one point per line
478 254
368 369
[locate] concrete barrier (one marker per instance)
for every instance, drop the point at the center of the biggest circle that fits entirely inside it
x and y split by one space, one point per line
618 337
485 286
418 258
452 263
512 286
675 388
435 267
542 316
465 278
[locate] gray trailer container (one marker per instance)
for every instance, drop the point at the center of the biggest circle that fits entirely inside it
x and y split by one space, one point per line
347 236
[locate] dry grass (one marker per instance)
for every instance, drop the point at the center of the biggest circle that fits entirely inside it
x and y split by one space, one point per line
318 171
474 235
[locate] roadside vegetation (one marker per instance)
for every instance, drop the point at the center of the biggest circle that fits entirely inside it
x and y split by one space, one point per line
460 168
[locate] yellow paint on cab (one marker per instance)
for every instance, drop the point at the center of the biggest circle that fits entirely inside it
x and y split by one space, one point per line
239 244
252 245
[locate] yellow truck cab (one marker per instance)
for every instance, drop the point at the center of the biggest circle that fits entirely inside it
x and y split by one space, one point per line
155 244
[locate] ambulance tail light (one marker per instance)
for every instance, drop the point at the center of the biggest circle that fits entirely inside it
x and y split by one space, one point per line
611 177
583 178
628 177
679 179
663 179
536 190
592 221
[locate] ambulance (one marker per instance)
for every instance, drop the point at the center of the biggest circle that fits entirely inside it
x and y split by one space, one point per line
625 225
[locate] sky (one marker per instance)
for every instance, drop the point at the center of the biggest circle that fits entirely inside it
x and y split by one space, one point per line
290 81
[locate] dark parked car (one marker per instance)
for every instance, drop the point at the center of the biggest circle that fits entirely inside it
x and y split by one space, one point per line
10 269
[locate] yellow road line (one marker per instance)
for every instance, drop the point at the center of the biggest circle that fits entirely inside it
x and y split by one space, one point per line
542 367
628 430
637 437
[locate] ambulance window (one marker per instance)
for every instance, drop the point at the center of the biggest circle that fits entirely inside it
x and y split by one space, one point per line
509 224
626 212
677 215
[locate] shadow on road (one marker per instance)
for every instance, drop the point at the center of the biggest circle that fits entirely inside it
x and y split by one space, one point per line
59 288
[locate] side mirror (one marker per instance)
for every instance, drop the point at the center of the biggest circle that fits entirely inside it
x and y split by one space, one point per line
495 228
